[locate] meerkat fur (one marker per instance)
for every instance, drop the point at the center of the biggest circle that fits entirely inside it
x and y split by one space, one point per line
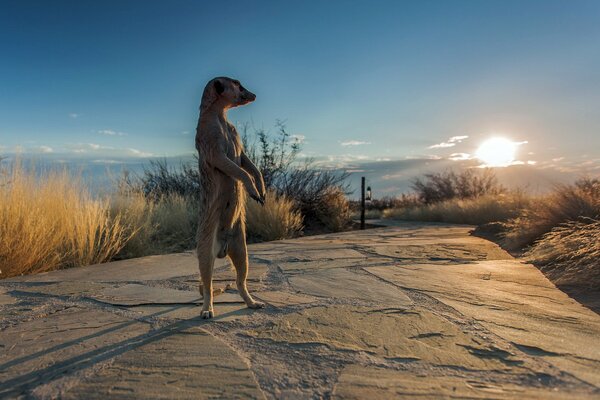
226 175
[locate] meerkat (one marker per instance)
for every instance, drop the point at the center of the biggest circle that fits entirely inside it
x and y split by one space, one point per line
226 174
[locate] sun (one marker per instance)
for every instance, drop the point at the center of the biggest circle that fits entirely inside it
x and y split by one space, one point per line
497 152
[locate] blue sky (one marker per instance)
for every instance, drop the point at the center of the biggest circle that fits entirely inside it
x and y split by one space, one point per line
360 81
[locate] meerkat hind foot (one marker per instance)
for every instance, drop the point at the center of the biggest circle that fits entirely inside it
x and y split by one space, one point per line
207 314
256 305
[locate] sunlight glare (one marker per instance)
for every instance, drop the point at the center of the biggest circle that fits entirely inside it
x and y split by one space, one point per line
497 152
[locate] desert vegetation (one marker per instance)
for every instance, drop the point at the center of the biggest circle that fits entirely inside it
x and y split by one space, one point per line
49 220
559 231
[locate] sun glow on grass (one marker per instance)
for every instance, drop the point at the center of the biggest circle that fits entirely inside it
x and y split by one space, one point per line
497 152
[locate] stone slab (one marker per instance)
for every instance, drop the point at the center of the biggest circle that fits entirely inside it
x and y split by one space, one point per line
358 382
280 298
182 363
408 334
134 294
341 283
70 342
515 301
6 298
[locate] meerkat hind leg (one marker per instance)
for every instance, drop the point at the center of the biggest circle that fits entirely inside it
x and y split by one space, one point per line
238 254
205 264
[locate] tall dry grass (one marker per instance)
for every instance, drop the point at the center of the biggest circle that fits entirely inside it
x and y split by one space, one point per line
333 209
50 221
577 202
277 219
570 253
472 211
158 226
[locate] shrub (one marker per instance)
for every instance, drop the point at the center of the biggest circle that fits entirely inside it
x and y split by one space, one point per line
333 209
159 180
387 202
50 221
165 225
473 211
275 155
438 187
577 202
310 187
570 253
277 219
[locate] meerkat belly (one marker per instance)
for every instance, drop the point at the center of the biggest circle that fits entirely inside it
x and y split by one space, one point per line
231 199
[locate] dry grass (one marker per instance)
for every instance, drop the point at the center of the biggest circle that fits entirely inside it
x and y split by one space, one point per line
50 222
567 203
570 253
165 225
333 209
278 219
473 211
369 214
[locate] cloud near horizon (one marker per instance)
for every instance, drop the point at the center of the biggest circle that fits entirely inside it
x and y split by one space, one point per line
110 132
354 143
450 142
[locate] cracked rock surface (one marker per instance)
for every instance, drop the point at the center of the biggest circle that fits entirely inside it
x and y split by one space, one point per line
412 310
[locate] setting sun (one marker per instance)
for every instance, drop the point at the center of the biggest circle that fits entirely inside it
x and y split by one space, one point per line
497 152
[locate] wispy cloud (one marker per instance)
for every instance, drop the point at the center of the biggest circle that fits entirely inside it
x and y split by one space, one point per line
74 115
97 149
449 143
459 156
354 143
44 149
139 153
185 132
299 138
110 132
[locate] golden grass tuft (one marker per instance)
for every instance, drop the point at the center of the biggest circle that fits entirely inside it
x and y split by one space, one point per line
473 211
278 219
333 209
566 203
50 221
570 253
165 225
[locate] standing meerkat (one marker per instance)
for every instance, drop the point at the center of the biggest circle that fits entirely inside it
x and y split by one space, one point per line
226 174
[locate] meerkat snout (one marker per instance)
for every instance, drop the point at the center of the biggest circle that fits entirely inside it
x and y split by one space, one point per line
228 92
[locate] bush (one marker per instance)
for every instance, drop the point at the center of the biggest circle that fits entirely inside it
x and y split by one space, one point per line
438 187
310 187
473 211
160 180
577 202
275 155
333 210
570 253
387 202
50 222
165 225
277 219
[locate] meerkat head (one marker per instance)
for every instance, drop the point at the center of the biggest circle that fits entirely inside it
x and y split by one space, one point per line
226 93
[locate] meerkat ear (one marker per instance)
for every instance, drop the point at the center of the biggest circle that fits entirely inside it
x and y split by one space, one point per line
219 87
211 92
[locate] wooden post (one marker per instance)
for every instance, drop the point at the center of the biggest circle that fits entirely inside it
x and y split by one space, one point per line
362 203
